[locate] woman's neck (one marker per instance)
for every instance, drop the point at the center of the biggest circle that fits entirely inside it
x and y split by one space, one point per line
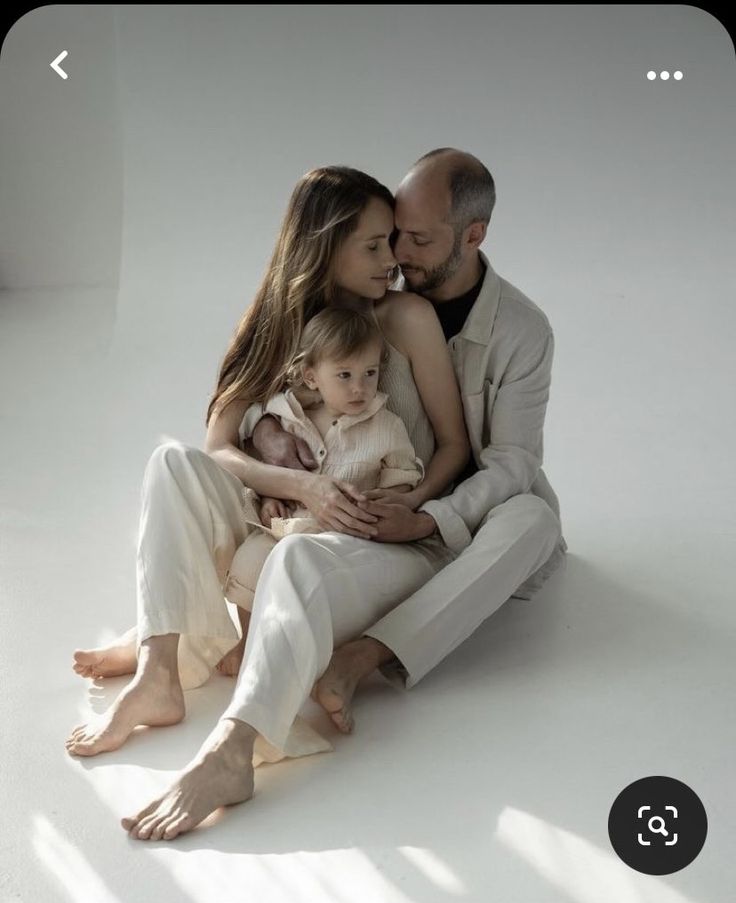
353 302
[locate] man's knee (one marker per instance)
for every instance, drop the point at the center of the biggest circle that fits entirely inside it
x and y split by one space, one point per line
533 514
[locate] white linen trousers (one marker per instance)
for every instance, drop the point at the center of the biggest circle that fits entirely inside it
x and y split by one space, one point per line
315 592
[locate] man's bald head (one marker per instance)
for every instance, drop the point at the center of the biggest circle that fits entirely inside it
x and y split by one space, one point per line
456 183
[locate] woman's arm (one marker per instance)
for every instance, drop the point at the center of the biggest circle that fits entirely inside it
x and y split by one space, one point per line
330 501
413 324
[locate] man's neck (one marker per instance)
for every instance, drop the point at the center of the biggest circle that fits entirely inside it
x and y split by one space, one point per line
458 284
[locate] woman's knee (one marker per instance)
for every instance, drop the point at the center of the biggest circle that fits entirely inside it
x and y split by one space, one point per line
173 457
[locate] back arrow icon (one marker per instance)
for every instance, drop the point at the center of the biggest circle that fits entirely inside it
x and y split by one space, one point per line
56 67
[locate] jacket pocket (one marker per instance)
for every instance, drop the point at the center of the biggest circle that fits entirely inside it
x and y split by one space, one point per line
478 409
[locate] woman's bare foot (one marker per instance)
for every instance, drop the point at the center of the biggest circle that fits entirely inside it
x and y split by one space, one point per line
154 697
120 657
221 774
229 664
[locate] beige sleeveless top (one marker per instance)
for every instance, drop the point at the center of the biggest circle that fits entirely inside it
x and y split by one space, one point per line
397 382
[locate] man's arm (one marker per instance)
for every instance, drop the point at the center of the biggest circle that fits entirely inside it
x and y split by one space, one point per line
510 462
271 443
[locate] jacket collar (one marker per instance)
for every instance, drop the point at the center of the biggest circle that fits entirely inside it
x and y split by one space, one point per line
479 324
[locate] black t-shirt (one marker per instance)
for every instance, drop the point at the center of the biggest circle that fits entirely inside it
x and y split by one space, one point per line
452 315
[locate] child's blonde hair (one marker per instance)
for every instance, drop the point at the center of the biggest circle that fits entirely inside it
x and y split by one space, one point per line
335 333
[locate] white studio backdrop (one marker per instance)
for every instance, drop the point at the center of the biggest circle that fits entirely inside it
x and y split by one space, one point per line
140 200
168 156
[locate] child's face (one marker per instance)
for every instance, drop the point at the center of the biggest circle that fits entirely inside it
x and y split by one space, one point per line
347 386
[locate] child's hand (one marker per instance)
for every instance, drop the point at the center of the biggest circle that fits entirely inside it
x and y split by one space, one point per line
271 508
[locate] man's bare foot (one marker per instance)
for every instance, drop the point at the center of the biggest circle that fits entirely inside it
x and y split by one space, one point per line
153 698
229 664
349 663
120 657
221 774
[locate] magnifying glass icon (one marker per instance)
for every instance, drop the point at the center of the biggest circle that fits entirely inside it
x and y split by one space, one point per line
660 829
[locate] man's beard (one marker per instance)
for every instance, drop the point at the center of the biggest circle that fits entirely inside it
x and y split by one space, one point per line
437 276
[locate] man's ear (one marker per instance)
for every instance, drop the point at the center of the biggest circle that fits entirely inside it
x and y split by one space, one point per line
476 234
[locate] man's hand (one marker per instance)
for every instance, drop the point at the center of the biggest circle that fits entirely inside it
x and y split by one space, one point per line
276 446
397 523
395 495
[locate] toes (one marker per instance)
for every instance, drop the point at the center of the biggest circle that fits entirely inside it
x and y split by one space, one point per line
146 825
81 657
78 735
177 826
83 749
343 720
130 822
158 829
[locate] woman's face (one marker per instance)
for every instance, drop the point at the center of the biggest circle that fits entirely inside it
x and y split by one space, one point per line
363 263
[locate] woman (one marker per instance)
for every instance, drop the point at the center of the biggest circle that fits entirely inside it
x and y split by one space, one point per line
333 250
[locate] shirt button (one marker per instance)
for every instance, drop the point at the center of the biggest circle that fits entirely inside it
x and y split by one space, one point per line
334 422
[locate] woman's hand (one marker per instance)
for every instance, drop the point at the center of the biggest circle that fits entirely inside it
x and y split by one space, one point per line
394 495
333 505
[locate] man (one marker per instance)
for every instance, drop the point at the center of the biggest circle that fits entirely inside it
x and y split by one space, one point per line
502 514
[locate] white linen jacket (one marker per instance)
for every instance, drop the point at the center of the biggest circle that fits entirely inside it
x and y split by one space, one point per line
503 361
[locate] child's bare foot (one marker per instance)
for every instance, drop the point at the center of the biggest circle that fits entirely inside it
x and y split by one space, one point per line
120 657
229 664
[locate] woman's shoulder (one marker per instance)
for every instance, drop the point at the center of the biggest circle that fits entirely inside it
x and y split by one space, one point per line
401 314
399 305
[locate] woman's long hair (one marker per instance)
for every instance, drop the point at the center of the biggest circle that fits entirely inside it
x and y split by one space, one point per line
323 211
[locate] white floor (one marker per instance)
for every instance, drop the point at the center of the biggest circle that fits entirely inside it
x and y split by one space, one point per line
490 780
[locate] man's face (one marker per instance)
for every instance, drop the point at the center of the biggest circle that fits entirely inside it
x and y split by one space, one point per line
426 246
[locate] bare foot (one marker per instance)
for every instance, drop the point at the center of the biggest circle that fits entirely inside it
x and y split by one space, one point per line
334 690
229 664
120 657
221 774
152 698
